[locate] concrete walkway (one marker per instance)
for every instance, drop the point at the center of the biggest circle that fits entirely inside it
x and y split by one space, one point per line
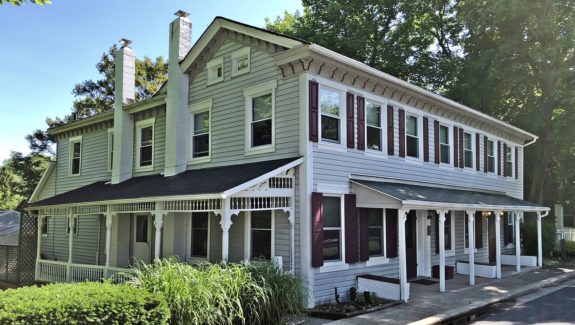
433 309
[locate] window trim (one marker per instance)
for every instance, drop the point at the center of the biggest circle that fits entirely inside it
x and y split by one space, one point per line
472 150
342 118
450 252
246 51
189 240
511 170
495 153
262 89
45 221
382 127
449 143
71 142
110 150
419 119
214 63
331 266
380 259
196 108
139 126
248 235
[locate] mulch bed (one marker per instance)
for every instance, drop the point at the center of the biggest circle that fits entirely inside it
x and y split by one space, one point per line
349 309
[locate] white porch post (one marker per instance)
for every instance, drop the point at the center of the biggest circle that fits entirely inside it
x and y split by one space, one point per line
226 223
38 245
158 224
442 249
539 241
471 245
402 255
517 243
71 227
291 219
109 220
498 244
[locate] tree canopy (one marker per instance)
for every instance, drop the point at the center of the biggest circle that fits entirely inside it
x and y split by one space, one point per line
21 2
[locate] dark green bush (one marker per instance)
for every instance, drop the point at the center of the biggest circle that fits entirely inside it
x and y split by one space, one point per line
529 235
82 303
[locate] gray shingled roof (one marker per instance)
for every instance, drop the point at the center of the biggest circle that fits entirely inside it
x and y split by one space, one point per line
409 192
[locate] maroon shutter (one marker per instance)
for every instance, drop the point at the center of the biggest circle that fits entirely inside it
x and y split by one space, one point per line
313 111
436 218
425 139
351 231
363 235
485 154
391 232
505 171
436 141
499 158
461 144
516 163
350 121
390 131
455 147
401 133
360 123
477 152
317 229
478 230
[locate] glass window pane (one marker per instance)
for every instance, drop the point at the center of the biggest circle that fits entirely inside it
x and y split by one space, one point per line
373 138
331 211
445 154
375 241
262 133
201 145
468 158
261 244
200 243
412 146
373 114
375 217
262 107
443 134
329 101
147 135
411 125
77 149
330 128
146 156
201 122
331 245
467 141
76 166
142 229
491 164
242 63
262 219
200 220
490 148
447 228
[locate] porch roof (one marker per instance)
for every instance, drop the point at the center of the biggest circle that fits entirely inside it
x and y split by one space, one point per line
214 181
413 195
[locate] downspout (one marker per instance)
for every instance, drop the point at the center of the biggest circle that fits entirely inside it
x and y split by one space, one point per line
530 142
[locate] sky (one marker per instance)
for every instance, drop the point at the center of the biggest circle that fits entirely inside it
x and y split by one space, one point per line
46 50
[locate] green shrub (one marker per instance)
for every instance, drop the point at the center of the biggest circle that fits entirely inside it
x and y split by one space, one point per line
529 235
82 303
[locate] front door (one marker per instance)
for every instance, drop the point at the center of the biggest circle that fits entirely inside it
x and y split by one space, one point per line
141 244
491 239
411 244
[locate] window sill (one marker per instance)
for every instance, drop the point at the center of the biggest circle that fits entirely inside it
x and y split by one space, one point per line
239 73
260 150
197 260
144 169
379 260
449 253
200 160
215 81
466 250
331 146
375 153
333 267
413 160
510 246
74 175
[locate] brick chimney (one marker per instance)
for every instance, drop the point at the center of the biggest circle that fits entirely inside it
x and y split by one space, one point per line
124 93
177 97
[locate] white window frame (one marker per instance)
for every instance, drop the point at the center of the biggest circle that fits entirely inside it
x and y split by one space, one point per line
472 150
380 259
511 170
248 235
189 240
332 266
262 89
71 143
45 221
381 126
419 120
196 108
211 68
449 143
110 149
495 153
236 56
139 126
342 118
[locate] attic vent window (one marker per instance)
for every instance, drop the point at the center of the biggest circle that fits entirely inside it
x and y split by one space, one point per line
215 70
241 61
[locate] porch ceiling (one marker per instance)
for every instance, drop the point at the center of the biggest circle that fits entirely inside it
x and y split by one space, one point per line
214 181
411 195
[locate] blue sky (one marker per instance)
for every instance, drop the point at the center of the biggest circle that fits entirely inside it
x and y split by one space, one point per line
45 50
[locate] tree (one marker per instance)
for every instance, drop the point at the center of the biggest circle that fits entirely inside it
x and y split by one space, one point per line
20 2
18 178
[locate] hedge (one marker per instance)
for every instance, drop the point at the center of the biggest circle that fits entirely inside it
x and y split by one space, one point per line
82 303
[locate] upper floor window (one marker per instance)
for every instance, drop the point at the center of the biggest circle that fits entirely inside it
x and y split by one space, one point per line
215 70
509 161
444 147
467 150
376 230
373 126
330 103
241 61
490 156
110 149
260 116
332 228
75 155
200 130
411 136
145 144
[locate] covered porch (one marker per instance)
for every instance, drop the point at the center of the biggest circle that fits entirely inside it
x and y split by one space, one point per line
252 215
451 220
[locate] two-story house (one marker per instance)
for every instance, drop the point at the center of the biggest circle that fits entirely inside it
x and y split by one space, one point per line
261 145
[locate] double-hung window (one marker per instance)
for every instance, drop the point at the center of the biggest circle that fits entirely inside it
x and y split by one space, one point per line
467 150
373 126
332 229
444 147
490 156
145 144
261 234
376 231
200 131
411 136
330 105
260 118
508 228
110 149
509 161
200 235
75 155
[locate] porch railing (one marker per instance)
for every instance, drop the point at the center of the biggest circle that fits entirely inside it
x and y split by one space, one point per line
54 271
